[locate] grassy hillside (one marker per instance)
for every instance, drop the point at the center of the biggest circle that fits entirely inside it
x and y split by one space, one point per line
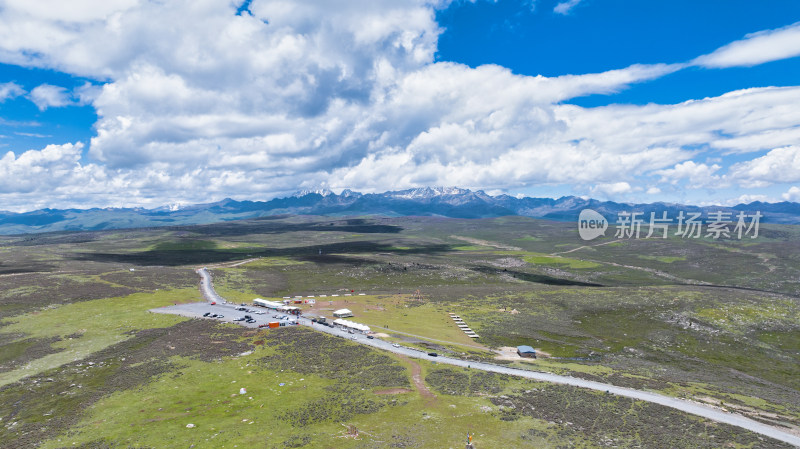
84 364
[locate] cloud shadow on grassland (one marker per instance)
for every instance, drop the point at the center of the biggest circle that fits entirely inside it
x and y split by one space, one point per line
535 278
331 253
266 226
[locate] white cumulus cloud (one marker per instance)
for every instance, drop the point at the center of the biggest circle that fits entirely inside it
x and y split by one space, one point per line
38 176
611 190
793 194
10 90
698 175
781 165
195 103
48 96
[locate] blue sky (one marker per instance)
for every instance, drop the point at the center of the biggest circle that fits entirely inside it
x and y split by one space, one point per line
599 35
604 35
31 127
135 103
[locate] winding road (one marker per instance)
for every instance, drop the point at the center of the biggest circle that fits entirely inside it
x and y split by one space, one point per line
679 404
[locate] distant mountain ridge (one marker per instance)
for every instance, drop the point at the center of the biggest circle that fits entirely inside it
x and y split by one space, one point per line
431 201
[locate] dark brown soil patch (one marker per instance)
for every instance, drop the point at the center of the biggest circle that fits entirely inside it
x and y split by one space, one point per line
309 352
22 294
18 353
593 416
465 382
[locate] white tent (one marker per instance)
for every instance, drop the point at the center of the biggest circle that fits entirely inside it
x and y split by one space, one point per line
351 325
342 313
267 304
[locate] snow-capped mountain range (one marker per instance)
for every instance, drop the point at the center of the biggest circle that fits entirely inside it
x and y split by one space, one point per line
427 201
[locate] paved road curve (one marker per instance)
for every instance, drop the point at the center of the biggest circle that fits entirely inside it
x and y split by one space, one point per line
676 403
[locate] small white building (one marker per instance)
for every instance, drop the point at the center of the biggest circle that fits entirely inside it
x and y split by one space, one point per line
343 313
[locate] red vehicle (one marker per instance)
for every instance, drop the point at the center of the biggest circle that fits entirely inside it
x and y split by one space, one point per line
213 303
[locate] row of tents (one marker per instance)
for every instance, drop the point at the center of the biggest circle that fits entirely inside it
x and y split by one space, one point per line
279 306
347 324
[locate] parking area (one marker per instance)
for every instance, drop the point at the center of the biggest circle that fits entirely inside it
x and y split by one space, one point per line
246 315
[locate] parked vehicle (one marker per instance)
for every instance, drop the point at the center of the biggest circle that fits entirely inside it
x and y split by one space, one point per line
433 354
370 337
395 345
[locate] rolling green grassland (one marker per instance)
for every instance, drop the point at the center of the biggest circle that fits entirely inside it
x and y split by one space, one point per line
84 364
